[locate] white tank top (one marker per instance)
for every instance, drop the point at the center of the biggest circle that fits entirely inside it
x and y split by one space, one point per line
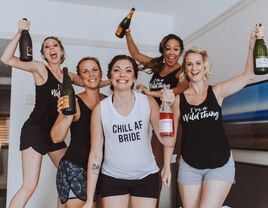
128 151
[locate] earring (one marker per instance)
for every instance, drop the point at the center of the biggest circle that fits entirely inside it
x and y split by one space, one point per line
164 60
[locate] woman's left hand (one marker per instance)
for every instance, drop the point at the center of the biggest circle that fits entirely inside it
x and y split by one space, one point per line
166 178
168 96
258 31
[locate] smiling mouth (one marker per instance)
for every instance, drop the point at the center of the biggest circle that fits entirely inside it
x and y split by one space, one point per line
122 81
53 55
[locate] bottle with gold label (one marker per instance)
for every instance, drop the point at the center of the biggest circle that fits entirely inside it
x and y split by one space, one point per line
25 45
260 56
124 24
68 94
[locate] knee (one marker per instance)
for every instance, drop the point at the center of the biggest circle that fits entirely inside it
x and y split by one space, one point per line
29 188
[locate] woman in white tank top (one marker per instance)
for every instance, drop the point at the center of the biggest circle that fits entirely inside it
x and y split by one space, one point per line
129 172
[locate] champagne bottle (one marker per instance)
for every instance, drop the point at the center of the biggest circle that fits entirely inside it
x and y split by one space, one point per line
25 45
67 92
166 122
124 24
260 56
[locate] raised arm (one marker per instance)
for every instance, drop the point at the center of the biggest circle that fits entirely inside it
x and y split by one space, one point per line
9 57
233 85
95 155
134 51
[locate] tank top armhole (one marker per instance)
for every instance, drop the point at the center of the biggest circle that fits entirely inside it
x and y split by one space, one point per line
211 94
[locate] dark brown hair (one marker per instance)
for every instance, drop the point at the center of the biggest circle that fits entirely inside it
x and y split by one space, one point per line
60 44
122 57
156 64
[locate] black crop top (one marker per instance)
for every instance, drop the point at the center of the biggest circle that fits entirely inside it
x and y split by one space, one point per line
157 82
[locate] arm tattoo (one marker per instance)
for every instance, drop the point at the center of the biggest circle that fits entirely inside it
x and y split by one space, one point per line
95 168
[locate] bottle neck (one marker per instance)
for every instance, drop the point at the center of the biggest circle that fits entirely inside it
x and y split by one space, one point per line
259 37
129 16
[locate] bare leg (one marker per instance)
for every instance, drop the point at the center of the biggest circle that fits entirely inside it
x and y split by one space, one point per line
190 195
159 158
55 157
214 193
120 201
143 202
76 203
31 165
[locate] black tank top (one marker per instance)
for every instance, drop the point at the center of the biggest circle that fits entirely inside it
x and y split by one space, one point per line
45 112
157 82
79 147
204 143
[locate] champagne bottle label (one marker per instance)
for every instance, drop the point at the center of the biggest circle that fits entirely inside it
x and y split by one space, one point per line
166 125
29 51
119 30
262 62
65 102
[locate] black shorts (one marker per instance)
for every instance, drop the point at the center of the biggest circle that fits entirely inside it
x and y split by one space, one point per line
39 139
146 187
71 181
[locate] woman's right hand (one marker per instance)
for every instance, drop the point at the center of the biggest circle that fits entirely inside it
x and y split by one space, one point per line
24 25
143 89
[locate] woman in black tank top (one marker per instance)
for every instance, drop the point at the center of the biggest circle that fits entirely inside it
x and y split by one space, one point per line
166 71
35 134
71 175
206 170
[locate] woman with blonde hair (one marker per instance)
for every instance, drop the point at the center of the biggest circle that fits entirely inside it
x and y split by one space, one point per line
206 167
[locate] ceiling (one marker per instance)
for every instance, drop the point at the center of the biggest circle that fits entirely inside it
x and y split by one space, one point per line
189 15
153 6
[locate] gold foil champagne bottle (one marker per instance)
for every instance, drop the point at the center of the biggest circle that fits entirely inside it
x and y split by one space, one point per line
260 56
67 92
124 24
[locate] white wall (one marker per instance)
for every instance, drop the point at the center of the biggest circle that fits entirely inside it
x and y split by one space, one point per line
226 40
85 31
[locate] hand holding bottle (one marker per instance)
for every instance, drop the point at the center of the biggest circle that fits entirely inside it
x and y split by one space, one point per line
260 55
168 96
25 42
258 31
24 24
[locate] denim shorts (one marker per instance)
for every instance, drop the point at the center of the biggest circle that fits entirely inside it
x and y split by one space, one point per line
188 175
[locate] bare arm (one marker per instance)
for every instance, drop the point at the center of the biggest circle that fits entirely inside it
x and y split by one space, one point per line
167 141
10 59
134 51
76 80
63 122
233 85
95 156
168 151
